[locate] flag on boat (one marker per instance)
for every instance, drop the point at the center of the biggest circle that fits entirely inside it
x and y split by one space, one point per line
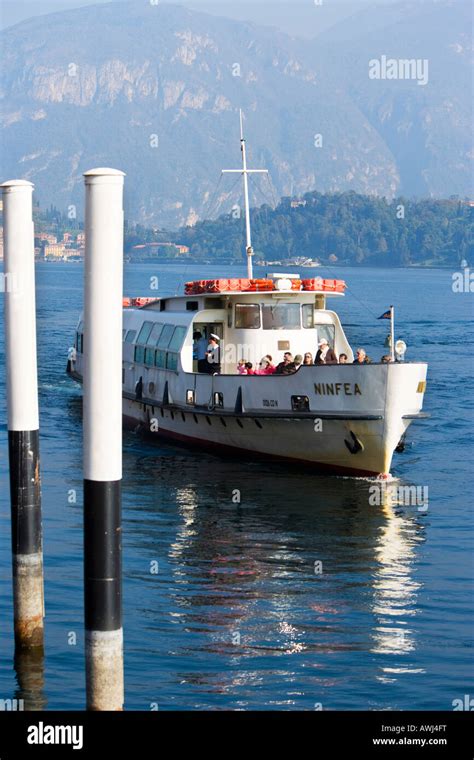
385 315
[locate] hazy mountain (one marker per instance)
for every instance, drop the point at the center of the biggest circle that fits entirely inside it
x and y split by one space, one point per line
155 90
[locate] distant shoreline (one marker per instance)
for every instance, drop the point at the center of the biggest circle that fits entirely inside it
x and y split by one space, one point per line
220 265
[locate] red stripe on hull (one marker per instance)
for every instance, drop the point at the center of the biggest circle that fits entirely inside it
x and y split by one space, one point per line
223 448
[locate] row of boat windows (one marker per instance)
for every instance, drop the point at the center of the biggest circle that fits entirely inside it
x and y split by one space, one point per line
157 344
274 316
298 403
166 338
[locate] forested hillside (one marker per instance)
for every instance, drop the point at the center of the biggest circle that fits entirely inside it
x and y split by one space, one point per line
345 227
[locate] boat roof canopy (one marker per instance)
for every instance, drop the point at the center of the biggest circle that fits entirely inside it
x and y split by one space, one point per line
273 283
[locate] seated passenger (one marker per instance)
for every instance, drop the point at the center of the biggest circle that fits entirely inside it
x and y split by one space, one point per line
361 357
325 353
241 368
249 368
386 359
287 366
342 358
287 358
308 359
270 362
265 367
298 361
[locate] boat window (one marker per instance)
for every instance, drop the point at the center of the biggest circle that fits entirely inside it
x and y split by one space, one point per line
155 334
139 354
160 359
177 340
130 336
171 360
247 315
144 333
165 336
300 403
308 315
328 332
281 316
124 331
149 357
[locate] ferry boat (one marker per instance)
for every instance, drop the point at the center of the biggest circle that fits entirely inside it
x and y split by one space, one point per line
337 418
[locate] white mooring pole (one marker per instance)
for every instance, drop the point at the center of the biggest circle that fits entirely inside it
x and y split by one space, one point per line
23 419
102 415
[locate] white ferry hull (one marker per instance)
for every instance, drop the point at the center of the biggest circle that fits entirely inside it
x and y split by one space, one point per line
342 435
279 439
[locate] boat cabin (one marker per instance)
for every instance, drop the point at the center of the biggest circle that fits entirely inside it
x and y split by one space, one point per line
281 313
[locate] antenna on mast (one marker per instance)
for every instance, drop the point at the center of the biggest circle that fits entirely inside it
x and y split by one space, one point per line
245 172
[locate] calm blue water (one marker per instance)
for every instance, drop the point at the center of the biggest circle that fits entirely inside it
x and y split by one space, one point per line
236 617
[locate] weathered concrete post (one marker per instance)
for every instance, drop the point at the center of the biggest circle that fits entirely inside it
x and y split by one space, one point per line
103 438
23 418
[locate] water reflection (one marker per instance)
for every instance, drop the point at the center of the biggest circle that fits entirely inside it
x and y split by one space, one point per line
277 586
29 670
395 590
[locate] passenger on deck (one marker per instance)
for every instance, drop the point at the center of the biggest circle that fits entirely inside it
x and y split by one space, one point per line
298 361
249 368
213 355
386 359
308 359
342 358
287 366
241 368
361 357
325 353
265 367
270 361
199 351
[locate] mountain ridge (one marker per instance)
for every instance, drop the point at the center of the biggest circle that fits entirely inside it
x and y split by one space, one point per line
155 90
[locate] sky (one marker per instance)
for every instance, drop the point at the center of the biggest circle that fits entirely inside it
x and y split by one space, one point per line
300 22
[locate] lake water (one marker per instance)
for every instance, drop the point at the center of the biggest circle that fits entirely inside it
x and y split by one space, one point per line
236 616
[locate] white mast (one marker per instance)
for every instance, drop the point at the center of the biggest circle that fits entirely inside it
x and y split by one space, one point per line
244 171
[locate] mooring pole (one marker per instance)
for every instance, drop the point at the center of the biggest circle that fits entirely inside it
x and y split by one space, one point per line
102 415
23 419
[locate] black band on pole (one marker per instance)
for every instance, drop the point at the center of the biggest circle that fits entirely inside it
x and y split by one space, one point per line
102 555
25 491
